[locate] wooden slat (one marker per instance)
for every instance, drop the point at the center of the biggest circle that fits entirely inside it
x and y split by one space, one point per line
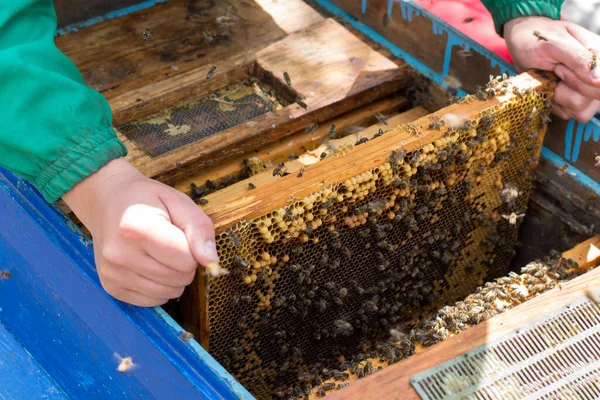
114 60
394 381
226 207
311 157
329 67
298 143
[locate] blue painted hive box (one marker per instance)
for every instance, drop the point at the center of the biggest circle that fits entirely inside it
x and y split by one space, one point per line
62 336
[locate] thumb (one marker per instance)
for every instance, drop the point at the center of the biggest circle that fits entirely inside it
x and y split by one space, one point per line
577 52
198 228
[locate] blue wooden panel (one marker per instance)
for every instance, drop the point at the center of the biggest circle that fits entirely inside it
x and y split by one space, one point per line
20 375
55 306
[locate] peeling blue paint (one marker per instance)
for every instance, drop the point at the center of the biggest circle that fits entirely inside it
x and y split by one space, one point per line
363 7
569 138
389 8
108 16
584 133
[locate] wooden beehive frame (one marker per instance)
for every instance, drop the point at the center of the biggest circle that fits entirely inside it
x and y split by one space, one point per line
396 378
238 203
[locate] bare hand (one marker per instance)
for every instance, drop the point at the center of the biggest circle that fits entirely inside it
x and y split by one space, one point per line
568 50
148 237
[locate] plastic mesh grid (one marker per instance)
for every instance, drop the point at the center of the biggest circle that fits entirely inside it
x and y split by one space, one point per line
203 117
329 275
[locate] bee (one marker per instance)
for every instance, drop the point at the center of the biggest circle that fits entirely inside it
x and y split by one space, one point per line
321 392
146 34
545 120
311 128
4 275
561 171
342 327
301 103
381 118
288 81
328 386
208 36
513 217
481 93
361 141
379 133
436 124
593 63
539 36
323 155
279 169
125 364
301 172
467 20
331 132
251 186
186 336
343 385
464 53
597 159
452 82
202 202
235 240
211 72
510 192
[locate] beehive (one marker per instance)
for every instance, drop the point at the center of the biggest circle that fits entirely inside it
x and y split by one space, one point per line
323 263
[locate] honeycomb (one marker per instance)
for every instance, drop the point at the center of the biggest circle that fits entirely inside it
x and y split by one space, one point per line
327 276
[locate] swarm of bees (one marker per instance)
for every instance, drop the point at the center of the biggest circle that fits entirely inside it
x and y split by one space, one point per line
307 319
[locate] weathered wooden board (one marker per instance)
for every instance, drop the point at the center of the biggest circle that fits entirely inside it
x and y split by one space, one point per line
394 381
330 68
71 12
113 59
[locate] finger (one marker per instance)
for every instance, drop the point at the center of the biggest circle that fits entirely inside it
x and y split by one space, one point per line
149 268
571 80
571 53
121 278
138 299
168 245
569 98
196 225
588 39
559 112
583 115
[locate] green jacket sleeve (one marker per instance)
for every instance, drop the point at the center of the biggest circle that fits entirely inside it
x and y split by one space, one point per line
56 131
505 10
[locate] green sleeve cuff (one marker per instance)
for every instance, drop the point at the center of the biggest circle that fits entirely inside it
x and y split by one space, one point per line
504 10
78 163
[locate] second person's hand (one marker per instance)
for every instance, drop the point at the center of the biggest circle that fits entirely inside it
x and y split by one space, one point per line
569 51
